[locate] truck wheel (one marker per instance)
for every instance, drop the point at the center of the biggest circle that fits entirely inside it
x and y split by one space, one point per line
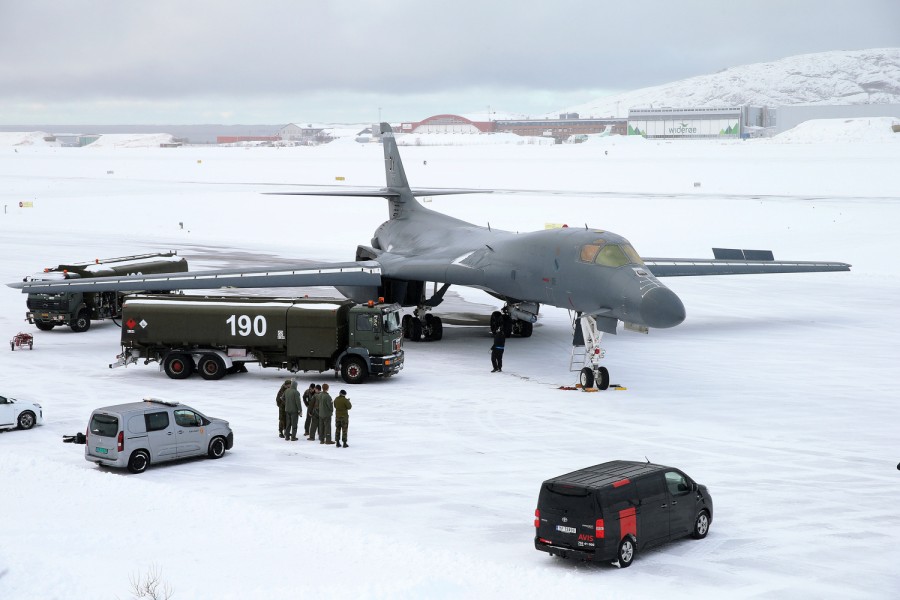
353 370
82 322
44 326
586 379
211 367
178 366
138 462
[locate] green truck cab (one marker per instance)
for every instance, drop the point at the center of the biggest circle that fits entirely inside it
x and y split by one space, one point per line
78 309
216 335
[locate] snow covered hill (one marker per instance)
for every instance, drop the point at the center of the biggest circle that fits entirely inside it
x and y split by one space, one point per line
837 77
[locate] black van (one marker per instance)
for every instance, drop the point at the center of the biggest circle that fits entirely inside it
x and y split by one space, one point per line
610 511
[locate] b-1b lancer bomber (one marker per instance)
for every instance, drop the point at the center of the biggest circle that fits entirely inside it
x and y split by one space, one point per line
594 273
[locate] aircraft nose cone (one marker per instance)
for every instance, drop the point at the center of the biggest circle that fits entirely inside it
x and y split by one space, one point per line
661 308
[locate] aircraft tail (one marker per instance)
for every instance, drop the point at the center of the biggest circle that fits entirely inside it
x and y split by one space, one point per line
393 166
402 201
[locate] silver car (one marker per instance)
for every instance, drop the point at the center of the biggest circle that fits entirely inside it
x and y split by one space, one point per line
19 414
140 433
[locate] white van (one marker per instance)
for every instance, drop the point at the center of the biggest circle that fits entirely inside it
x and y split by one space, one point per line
140 433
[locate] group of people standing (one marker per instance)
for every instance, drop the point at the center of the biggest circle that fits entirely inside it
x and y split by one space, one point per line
319 409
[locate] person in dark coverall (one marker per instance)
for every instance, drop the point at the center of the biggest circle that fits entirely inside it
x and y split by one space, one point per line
325 406
293 408
341 417
497 351
279 401
313 409
306 397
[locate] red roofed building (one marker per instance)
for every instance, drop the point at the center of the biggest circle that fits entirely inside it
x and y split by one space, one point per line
447 124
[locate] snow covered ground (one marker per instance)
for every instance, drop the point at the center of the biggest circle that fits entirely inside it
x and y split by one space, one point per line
778 392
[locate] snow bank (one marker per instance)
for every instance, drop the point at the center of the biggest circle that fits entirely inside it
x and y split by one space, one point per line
26 138
132 140
815 131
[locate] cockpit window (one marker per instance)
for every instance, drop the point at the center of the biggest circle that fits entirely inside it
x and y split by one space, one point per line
633 256
609 255
613 255
589 251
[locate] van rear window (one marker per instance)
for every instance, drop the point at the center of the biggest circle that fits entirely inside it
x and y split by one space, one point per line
104 425
568 500
567 490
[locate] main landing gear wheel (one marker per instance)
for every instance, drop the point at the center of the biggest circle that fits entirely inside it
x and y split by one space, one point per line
406 325
434 328
415 329
523 328
178 365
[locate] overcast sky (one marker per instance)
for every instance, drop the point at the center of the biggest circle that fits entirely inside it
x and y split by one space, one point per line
281 61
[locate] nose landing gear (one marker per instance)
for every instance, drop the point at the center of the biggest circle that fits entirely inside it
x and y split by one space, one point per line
587 353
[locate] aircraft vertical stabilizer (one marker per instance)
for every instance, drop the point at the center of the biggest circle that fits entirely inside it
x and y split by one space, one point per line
403 202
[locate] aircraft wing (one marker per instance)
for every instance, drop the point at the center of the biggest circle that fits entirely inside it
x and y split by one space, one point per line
684 267
361 273
380 192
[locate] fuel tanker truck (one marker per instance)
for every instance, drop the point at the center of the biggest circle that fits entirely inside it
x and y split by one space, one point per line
78 309
215 335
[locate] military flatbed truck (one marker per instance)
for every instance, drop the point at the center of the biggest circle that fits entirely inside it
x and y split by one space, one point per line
215 335
78 309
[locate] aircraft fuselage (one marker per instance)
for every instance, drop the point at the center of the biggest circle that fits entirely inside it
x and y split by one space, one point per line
586 270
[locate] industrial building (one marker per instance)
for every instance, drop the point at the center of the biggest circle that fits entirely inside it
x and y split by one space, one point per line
696 123
563 128
791 116
305 134
447 124
566 126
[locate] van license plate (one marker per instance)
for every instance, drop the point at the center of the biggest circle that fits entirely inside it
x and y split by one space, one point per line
102 450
